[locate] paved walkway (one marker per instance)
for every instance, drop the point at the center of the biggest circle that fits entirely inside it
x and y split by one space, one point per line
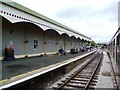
105 78
20 66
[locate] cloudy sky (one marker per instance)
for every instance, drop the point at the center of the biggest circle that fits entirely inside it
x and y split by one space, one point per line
97 19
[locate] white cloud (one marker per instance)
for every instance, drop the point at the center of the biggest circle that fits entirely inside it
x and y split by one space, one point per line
94 18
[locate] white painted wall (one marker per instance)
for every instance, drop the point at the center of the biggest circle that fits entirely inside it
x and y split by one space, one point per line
50 39
17 36
34 33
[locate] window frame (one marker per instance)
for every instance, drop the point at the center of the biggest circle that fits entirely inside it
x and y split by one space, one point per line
35 44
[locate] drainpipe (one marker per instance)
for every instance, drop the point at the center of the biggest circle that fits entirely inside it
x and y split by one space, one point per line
64 42
1 38
25 39
56 43
44 42
1 45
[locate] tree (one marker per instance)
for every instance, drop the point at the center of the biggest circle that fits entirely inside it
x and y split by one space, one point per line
93 43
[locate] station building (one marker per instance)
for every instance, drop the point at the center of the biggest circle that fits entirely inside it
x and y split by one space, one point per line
33 34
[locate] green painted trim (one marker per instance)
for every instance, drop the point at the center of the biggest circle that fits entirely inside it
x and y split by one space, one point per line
33 13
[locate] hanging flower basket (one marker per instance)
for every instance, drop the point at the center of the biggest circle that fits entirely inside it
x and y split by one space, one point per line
10 51
9 54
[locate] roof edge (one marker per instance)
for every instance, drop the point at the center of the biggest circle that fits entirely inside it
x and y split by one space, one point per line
38 15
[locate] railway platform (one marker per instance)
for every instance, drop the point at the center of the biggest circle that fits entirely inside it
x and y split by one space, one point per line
23 69
33 67
105 79
23 65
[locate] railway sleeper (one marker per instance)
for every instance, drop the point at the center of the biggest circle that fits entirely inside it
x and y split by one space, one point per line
82 82
85 80
93 83
94 80
60 83
79 82
65 88
63 80
80 79
68 88
80 85
75 85
88 75
95 77
84 74
92 86
86 71
55 87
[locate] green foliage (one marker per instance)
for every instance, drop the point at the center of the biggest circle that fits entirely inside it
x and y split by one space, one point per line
92 43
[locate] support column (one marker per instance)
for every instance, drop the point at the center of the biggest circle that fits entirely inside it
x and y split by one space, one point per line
44 42
0 38
56 43
25 39
64 42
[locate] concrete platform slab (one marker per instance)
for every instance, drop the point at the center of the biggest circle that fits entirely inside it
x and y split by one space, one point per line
20 66
105 78
50 60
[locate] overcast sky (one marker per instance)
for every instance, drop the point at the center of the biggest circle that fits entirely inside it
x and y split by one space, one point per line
97 19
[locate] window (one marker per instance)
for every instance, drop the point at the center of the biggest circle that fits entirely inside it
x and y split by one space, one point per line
35 43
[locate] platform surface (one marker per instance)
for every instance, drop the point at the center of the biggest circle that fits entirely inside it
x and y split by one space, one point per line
20 70
16 67
105 79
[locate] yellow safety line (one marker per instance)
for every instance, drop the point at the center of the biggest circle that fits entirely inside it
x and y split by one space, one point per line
32 72
2 81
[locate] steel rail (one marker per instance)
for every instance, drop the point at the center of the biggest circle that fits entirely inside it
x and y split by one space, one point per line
63 84
96 67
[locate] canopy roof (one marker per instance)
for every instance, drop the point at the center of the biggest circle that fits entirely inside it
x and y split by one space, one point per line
33 13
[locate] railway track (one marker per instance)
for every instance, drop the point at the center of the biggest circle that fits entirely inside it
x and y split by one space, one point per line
84 78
